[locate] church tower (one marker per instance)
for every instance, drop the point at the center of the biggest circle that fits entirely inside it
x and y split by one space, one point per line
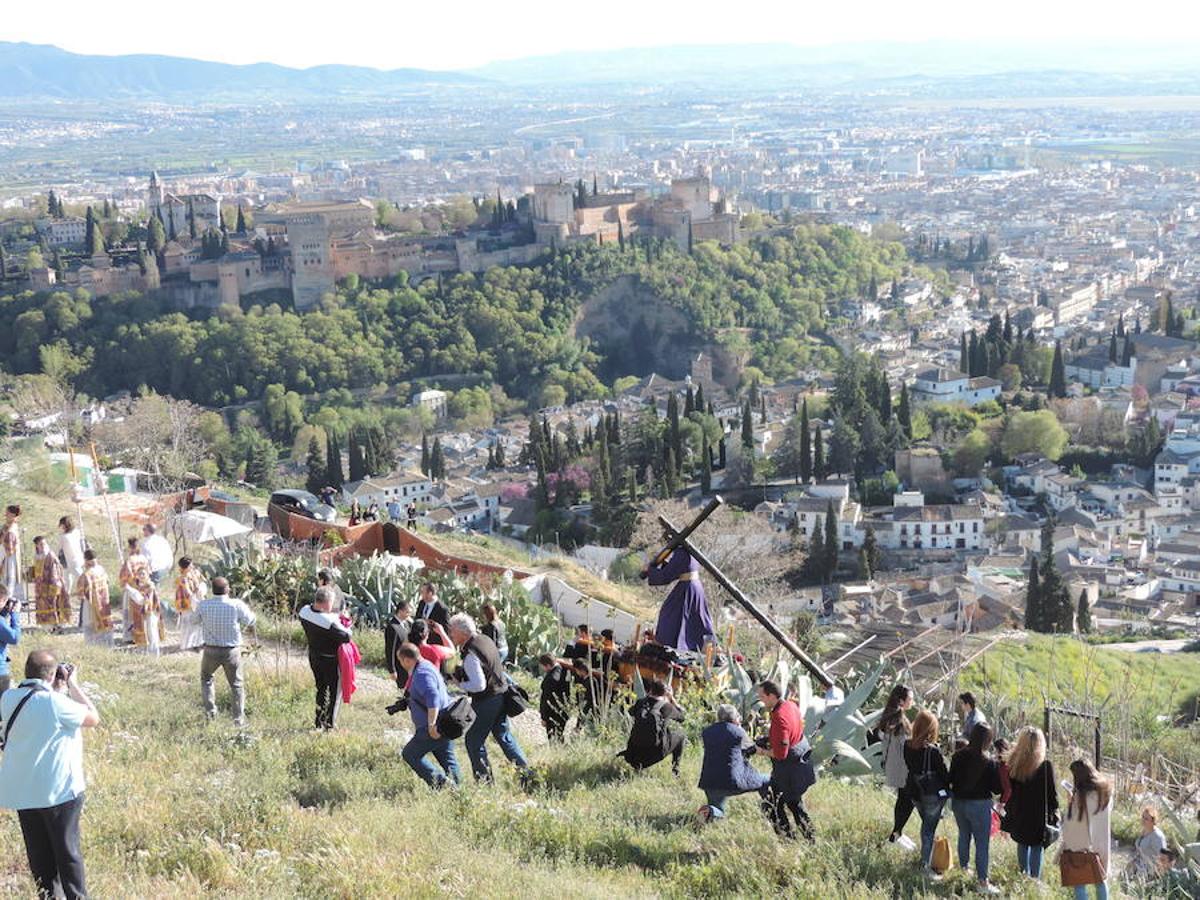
154 195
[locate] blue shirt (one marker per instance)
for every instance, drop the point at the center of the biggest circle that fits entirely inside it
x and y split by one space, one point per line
10 633
42 764
221 620
426 692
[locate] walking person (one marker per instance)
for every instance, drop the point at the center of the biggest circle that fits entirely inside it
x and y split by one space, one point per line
494 628
94 609
974 780
190 591
432 609
928 780
968 709
52 602
1086 826
10 552
325 632
70 545
41 772
222 619
725 770
139 599
158 552
1034 801
792 770
410 516
555 700
427 696
894 731
484 680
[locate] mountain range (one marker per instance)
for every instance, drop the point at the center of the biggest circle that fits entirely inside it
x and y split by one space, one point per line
41 70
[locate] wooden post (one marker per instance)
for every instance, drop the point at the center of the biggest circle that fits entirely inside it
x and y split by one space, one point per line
734 591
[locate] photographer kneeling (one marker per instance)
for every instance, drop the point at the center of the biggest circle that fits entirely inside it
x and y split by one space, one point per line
41 773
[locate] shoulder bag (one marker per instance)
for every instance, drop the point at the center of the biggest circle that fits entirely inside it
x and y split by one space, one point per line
1081 867
20 705
1051 832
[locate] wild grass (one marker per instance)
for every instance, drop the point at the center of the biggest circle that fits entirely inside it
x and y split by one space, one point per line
179 807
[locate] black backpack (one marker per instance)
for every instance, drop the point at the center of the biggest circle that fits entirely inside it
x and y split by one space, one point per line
456 718
516 699
648 725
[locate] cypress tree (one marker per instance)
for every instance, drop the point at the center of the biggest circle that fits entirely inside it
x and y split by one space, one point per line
689 401
1033 598
1127 352
437 461
358 466
500 461
819 468
964 359
747 427
1083 615
832 542
670 475
1058 374
425 453
814 565
806 456
333 460
620 236
721 453
674 435
762 406
541 495
904 411
1112 348
191 214
699 405
241 220
632 486
316 465
705 466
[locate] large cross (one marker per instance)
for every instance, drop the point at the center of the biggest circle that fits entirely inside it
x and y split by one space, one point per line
680 539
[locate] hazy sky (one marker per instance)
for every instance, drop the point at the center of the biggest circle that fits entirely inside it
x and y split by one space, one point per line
466 33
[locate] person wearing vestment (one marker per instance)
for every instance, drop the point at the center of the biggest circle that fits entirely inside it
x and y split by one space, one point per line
683 621
10 553
92 591
140 600
53 605
190 589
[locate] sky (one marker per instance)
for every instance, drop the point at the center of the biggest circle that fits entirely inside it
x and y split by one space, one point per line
467 33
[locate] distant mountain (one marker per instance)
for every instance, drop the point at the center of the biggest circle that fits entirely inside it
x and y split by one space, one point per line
42 70
847 64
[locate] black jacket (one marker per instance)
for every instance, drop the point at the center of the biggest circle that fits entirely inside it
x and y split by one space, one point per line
324 638
918 760
973 777
556 695
438 614
1032 805
494 676
394 634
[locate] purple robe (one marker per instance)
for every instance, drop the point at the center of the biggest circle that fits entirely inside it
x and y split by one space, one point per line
683 621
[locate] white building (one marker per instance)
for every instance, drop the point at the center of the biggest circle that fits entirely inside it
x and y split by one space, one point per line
937 384
432 400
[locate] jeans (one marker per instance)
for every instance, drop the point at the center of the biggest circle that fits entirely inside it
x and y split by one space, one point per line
52 845
420 746
974 818
327 675
716 799
1029 859
790 778
490 719
930 812
229 659
1101 891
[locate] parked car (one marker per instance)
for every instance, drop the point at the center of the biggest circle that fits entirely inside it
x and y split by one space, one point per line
302 503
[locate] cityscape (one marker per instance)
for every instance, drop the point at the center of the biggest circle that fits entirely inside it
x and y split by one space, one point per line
913 329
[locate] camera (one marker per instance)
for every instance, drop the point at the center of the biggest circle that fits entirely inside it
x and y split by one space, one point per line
64 671
399 706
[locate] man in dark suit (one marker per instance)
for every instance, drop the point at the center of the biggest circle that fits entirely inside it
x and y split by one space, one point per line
396 633
432 609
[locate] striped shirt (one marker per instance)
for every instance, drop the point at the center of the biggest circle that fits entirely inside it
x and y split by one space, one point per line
221 620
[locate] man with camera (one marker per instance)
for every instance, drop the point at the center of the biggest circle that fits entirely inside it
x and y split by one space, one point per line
41 773
10 633
426 697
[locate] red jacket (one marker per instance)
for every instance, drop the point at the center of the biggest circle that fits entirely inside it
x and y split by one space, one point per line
787 728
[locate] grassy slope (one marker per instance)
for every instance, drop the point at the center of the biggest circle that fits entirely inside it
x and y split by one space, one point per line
176 807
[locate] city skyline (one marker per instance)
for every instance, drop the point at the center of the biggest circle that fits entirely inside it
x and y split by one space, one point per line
488 34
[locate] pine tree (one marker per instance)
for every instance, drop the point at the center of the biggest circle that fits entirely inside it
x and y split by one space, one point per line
358 466
820 470
1083 615
1058 374
904 411
241 220
437 461
425 453
1033 599
747 427
832 542
806 456
870 547
316 466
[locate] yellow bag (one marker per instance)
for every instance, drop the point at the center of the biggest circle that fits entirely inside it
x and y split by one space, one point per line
940 860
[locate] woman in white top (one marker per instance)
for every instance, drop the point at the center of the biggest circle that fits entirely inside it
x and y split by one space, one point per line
70 545
1086 824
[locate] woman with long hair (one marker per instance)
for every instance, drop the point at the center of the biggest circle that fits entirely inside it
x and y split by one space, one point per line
1034 801
928 780
1086 826
894 729
974 780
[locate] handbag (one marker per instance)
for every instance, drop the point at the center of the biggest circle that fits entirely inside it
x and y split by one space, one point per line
929 783
1081 867
940 859
456 718
516 699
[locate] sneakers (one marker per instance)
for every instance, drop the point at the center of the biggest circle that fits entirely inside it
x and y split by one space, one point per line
906 842
988 888
703 816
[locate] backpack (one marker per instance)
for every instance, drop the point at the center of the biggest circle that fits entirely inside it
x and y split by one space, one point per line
648 725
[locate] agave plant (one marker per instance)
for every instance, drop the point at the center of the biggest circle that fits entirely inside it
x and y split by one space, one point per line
277 584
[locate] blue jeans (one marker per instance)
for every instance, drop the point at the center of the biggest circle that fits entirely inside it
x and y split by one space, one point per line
930 812
420 746
1029 859
490 719
1101 891
716 798
974 818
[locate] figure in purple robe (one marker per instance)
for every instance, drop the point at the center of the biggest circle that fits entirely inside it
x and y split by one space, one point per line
683 621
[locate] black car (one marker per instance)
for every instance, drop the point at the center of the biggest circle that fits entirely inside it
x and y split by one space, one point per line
302 503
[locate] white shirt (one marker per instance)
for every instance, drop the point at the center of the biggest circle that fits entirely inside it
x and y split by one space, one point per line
71 545
158 551
42 765
476 680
